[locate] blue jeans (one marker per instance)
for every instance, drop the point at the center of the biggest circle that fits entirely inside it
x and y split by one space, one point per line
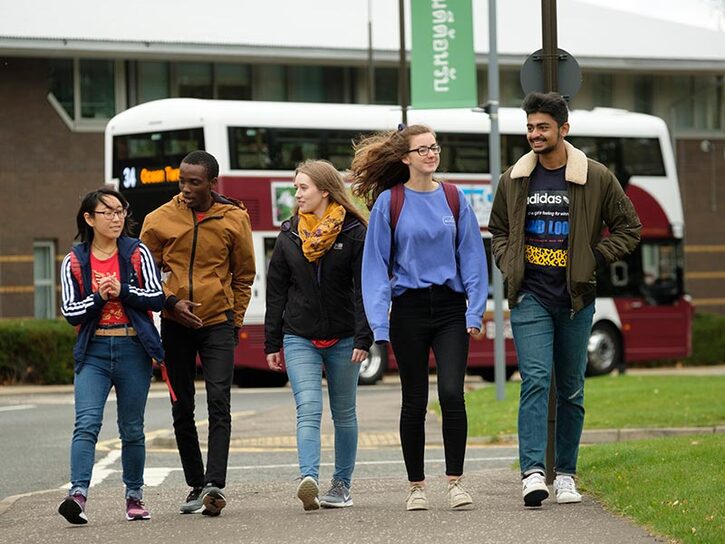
304 364
122 363
546 338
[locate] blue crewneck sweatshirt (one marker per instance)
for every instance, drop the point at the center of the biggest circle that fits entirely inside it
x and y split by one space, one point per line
427 252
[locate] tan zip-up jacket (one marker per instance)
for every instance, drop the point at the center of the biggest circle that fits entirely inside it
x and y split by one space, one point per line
210 261
595 198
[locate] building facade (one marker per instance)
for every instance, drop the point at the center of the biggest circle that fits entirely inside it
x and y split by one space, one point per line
58 91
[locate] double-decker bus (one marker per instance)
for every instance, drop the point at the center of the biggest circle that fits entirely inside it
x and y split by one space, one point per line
642 311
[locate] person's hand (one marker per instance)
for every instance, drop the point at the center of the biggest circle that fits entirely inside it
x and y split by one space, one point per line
473 331
274 361
109 287
183 314
359 355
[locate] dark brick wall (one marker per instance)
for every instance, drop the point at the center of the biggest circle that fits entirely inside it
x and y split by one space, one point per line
44 168
702 182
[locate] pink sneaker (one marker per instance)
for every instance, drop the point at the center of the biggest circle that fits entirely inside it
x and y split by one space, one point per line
73 509
135 510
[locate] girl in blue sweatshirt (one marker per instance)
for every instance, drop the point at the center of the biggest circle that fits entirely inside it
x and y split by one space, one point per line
428 291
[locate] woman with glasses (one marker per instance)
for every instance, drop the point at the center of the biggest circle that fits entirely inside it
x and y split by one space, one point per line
424 285
110 285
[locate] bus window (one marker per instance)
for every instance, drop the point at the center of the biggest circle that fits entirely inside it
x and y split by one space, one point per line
290 147
661 272
464 153
248 148
642 157
338 147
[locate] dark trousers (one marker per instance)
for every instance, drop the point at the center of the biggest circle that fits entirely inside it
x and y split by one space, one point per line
215 346
422 319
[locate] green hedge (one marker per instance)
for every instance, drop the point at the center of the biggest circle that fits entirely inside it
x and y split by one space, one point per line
36 351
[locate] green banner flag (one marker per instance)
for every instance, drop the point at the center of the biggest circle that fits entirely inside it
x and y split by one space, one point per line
443 64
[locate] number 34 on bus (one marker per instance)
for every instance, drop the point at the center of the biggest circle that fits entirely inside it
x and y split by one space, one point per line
642 311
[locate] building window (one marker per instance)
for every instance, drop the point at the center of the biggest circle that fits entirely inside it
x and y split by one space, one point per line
98 97
269 83
44 279
233 81
602 90
152 80
386 85
643 94
60 83
192 80
511 92
85 92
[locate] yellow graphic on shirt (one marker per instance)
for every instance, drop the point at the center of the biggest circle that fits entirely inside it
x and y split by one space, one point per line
546 257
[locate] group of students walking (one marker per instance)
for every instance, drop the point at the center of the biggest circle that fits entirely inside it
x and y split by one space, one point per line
415 275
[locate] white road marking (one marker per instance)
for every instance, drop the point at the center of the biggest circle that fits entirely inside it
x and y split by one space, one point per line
17 407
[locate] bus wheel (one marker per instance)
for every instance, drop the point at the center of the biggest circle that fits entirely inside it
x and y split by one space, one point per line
604 352
488 373
373 368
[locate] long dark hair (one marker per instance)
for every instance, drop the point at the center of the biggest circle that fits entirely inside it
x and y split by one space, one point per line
88 206
378 165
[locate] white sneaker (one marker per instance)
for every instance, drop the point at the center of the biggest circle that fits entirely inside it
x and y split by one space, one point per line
534 489
417 499
308 492
457 496
565 489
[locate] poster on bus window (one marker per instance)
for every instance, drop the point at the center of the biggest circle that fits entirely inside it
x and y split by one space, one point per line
480 197
283 201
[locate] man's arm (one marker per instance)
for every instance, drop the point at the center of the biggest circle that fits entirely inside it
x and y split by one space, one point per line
623 222
498 224
242 268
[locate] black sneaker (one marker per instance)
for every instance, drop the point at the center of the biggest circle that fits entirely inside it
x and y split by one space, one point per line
192 504
213 500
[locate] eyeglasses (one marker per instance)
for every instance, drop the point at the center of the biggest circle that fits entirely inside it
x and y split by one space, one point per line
110 214
424 149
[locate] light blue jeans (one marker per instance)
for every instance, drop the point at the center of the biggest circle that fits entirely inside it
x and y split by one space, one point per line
122 363
546 338
304 364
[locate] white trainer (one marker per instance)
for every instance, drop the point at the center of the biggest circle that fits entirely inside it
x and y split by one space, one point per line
308 492
417 499
565 489
534 489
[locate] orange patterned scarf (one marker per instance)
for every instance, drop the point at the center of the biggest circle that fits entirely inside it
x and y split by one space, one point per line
318 235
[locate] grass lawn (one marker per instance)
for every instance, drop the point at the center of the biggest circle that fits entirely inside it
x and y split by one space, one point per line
614 402
672 486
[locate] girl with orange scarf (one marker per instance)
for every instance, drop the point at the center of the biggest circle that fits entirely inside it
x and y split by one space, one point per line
315 315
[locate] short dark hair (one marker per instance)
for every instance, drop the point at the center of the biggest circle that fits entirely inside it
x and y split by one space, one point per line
88 205
551 103
205 159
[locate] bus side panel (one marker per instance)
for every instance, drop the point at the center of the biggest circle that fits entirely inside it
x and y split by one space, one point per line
655 331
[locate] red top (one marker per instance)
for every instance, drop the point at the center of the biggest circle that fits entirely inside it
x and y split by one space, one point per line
322 344
113 312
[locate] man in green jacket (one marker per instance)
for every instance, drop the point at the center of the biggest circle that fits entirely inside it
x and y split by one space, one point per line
546 221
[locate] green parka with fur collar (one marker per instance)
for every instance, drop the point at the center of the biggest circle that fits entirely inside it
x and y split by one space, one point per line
595 199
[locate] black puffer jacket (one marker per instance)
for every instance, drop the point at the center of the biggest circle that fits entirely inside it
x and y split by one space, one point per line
321 300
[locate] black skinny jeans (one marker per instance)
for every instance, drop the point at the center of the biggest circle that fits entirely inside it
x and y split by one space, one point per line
215 346
422 319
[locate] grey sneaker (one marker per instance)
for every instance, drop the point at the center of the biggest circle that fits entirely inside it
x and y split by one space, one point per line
337 497
308 492
417 499
192 504
457 496
213 500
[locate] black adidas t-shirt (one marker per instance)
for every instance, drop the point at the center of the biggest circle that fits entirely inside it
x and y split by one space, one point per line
546 237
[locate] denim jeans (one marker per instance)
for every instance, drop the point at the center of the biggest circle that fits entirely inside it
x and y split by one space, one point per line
421 320
546 338
120 362
304 364
215 346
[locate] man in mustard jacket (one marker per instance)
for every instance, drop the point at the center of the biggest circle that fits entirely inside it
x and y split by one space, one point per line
202 242
546 223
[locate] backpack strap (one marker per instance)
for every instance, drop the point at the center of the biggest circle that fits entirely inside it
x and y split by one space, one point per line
397 198
75 270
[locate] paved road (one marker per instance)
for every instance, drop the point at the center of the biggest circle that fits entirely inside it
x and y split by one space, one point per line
262 508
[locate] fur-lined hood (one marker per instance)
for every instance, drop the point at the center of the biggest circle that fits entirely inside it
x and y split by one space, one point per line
577 165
